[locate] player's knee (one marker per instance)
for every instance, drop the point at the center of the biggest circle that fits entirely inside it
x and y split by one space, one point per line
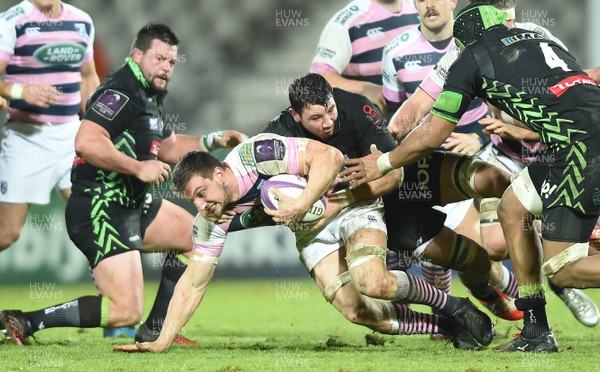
497 180
495 245
371 281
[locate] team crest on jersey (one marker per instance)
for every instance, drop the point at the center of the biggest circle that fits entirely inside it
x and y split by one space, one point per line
3 187
80 27
110 103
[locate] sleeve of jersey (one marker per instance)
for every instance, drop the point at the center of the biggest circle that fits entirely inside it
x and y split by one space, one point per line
334 50
393 90
208 238
274 154
370 128
8 39
89 53
435 80
458 91
111 109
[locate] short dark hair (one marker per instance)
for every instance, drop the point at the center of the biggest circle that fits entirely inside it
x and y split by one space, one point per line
191 164
152 31
309 89
500 4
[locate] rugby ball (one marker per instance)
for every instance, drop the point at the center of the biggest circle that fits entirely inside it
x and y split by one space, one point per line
292 186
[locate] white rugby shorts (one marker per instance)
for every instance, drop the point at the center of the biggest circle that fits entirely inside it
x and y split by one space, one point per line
315 246
34 159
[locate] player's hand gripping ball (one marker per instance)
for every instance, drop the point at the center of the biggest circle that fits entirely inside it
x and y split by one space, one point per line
292 186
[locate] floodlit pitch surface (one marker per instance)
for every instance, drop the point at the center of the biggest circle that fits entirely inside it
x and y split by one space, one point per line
280 325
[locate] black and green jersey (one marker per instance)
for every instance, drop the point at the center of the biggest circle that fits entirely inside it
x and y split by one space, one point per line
126 106
536 81
531 78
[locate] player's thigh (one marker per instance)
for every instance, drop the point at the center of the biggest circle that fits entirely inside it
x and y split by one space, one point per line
170 229
120 278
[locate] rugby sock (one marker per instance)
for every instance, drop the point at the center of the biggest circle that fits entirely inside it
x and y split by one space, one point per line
509 284
84 312
437 277
484 292
532 302
412 322
173 268
414 290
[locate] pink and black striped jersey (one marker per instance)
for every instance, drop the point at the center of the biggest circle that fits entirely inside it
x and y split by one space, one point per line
42 50
252 162
353 40
406 62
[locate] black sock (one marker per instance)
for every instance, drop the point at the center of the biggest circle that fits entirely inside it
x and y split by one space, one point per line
485 292
535 322
556 289
83 312
173 268
444 325
452 304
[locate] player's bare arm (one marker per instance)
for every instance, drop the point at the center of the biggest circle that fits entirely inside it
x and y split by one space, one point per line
421 141
94 145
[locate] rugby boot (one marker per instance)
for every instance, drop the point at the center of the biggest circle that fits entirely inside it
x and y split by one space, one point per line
546 343
475 321
15 327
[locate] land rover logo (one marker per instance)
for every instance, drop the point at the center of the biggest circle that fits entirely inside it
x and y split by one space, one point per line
60 54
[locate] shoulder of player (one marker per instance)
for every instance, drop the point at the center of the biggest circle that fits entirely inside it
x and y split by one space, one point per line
80 13
13 14
352 106
351 11
282 124
398 46
530 26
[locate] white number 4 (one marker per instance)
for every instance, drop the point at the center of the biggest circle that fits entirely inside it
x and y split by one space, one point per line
552 60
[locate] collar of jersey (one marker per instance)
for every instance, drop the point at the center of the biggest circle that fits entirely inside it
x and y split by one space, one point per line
137 72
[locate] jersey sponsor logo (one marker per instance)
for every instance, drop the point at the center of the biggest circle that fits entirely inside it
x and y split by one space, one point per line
345 15
413 65
154 147
245 153
326 52
110 103
520 37
7 16
562 86
60 54
32 31
155 123
547 189
269 150
255 216
371 114
375 33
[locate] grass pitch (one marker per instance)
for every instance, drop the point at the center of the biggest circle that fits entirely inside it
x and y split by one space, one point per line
280 325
